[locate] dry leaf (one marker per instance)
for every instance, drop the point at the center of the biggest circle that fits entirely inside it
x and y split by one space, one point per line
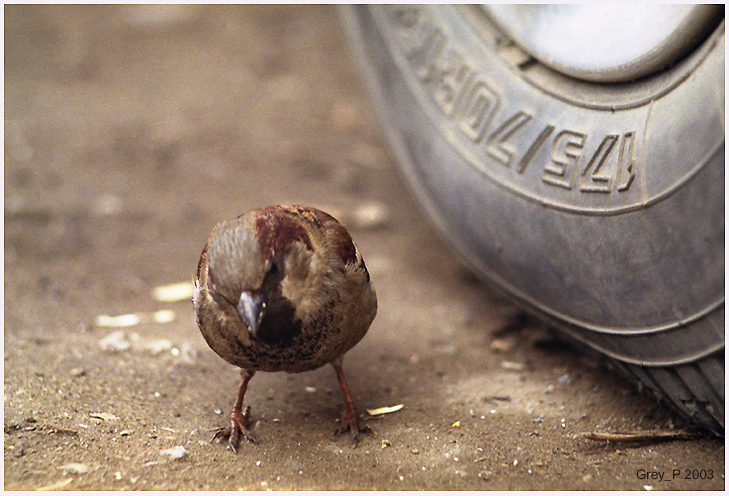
126 320
384 410
173 292
56 486
104 416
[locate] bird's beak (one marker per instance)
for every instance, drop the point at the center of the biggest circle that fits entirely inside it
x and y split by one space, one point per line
251 308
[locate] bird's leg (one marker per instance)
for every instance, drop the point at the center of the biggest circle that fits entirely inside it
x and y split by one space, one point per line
239 420
350 418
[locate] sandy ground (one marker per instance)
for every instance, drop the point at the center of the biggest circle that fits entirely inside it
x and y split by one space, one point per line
131 131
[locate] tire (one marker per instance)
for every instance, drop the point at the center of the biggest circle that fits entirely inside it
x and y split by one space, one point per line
598 207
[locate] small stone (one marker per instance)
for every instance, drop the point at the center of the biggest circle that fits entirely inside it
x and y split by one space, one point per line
75 468
415 451
77 372
175 453
512 365
125 320
116 341
108 205
104 416
369 215
502 345
164 316
157 346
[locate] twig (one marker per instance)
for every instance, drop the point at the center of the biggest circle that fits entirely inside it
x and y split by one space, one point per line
638 437
58 430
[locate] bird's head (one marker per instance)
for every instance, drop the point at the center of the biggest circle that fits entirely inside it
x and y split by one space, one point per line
248 259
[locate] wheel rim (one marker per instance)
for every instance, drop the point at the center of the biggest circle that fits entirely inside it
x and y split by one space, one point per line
627 42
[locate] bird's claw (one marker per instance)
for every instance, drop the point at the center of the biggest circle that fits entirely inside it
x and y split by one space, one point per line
237 427
350 422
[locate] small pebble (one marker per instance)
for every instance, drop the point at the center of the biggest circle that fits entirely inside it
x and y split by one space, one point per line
164 316
126 320
116 341
502 345
512 365
108 205
75 468
174 453
77 372
157 346
104 416
369 215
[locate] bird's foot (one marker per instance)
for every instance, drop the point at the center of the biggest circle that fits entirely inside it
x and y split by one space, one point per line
350 422
237 427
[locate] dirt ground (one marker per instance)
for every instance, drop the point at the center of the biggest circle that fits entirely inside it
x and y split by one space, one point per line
129 132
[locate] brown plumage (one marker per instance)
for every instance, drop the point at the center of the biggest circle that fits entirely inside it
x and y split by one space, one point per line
283 288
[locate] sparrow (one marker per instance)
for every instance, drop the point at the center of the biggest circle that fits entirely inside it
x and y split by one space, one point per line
283 288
